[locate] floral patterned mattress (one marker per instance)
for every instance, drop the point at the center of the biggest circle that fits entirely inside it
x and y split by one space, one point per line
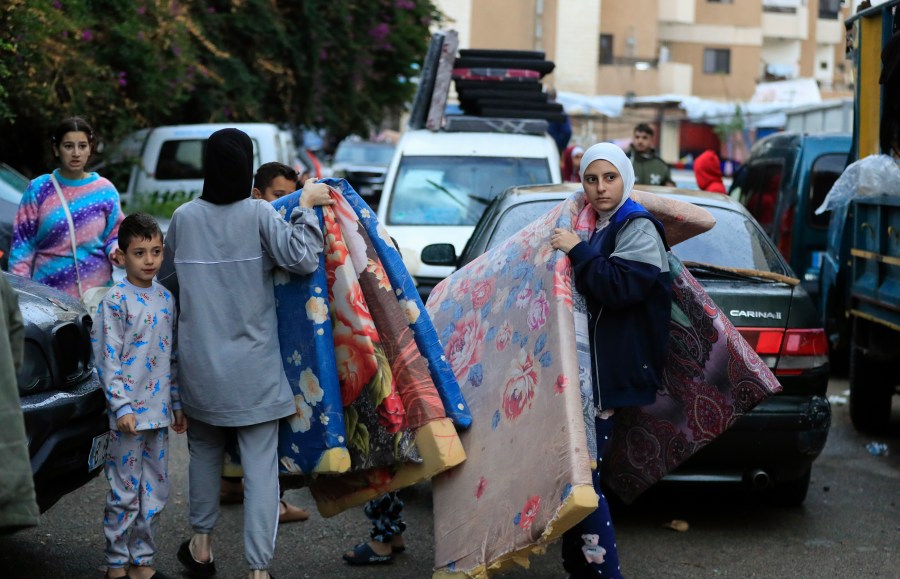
377 405
507 322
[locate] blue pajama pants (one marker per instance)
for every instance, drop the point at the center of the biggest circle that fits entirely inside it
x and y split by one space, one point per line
137 468
589 548
386 514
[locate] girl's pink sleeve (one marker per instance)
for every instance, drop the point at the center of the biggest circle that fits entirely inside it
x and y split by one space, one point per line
113 220
24 234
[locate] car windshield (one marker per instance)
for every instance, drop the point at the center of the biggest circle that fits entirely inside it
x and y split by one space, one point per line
364 154
734 242
12 184
456 190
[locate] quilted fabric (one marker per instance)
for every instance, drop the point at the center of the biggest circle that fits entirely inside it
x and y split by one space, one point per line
365 365
345 330
523 483
314 440
426 337
508 331
712 378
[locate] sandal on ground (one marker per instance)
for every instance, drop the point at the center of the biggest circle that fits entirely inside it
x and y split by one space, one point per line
291 513
364 555
193 567
398 548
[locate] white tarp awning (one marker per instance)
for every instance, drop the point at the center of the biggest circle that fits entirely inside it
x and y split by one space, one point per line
579 104
767 108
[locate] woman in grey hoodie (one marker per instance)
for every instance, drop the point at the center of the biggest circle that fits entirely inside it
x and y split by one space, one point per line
221 251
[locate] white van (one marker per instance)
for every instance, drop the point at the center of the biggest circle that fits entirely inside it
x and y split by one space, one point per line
439 183
166 163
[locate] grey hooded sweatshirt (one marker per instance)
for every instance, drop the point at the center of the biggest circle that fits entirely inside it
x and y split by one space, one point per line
219 261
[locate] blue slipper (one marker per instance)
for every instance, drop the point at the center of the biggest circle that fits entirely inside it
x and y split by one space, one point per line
364 555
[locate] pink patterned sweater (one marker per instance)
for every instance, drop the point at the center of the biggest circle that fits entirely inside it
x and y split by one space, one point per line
41 247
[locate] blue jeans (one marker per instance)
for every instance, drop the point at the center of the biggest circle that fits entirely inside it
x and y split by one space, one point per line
589 548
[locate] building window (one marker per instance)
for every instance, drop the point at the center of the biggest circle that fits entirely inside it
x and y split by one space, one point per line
716 61
829 9
606 49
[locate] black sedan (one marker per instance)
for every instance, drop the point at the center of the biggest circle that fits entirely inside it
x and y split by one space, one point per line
773 447
61 396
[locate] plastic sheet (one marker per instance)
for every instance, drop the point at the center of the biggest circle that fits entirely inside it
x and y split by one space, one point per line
874 175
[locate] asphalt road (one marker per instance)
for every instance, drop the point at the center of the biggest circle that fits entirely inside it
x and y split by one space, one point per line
849 527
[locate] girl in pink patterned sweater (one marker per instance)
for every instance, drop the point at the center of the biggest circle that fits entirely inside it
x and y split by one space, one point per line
41 245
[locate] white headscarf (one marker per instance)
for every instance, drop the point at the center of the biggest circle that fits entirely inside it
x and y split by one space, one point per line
615 155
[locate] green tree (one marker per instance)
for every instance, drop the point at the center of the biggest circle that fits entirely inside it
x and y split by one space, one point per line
341 65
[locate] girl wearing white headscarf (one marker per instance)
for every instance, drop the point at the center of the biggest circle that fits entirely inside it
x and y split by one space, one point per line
622 271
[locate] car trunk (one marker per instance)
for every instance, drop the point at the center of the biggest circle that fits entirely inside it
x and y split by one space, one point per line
790 342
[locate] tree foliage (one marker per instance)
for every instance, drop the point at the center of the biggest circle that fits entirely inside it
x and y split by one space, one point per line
341 65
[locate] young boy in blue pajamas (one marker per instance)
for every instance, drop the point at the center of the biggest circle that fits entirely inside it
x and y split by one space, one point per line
133 336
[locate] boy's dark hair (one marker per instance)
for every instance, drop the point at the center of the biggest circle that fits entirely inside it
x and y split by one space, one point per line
644 128
268 171
71 125
138 225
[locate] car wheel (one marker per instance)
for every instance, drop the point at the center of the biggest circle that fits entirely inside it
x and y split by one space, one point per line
870 396
791 493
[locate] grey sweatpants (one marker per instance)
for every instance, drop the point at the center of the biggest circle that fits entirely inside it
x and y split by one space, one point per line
259 457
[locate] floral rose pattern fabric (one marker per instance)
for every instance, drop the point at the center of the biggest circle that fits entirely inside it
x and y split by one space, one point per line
508 332
302 304
512 344
352 356
404 288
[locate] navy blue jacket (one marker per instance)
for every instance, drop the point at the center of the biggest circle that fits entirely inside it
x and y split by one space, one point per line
629 304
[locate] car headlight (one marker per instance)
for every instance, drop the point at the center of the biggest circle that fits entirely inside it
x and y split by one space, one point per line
35 373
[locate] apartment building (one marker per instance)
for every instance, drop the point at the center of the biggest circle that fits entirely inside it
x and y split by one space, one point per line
716 49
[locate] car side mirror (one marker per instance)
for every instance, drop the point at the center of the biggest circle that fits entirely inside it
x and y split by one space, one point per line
439 254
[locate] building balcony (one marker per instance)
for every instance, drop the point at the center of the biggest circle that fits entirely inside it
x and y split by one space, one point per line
829 31
681 11
786 24
676 78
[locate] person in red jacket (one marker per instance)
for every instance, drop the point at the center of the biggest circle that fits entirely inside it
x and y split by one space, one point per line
708 171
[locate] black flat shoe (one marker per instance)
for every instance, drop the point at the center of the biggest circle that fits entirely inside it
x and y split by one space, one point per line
192 566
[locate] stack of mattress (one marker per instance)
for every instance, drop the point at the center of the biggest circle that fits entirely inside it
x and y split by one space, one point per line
504 84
